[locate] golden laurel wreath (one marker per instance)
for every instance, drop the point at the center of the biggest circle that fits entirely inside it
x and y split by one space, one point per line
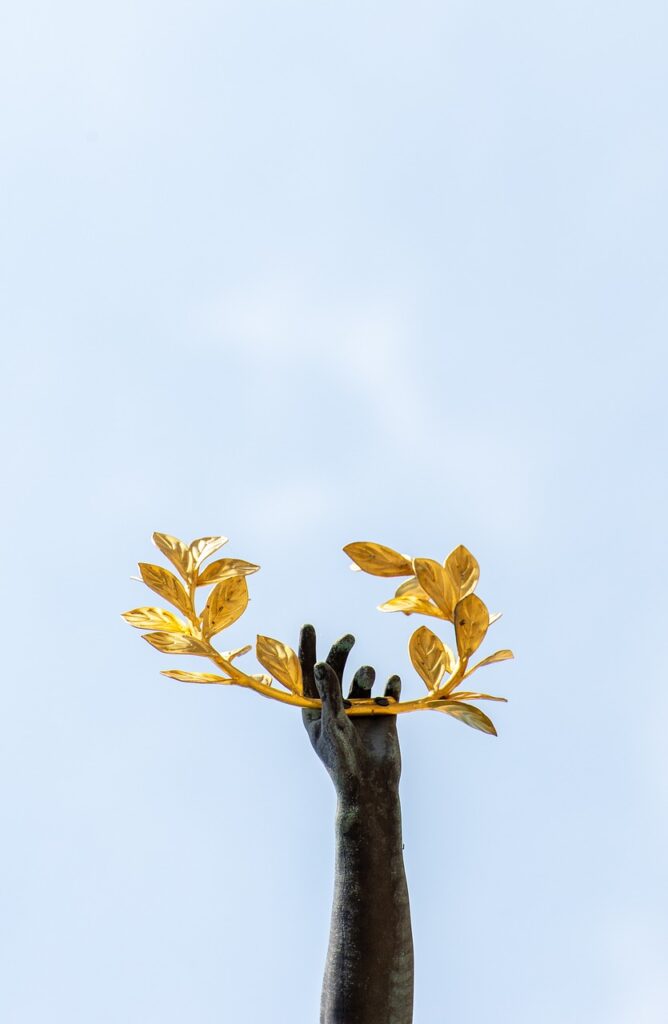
440 590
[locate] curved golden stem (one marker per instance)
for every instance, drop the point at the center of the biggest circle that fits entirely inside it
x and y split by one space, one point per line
365 706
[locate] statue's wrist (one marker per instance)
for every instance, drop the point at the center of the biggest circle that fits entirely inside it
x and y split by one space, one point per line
367 803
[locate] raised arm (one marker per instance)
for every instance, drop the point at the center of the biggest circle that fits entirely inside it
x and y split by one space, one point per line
369 969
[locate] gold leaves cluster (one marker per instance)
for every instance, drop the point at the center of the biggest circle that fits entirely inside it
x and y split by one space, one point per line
442 591
192 633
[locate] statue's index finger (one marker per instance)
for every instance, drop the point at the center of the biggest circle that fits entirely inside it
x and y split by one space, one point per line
307 656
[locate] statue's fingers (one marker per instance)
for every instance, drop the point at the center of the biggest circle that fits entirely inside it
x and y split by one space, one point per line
362 682
329 689
307 659
393 688
338 654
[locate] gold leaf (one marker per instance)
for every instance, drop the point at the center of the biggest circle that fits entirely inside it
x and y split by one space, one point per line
465 695
411 599
471 623
378 560
497 656
177 552
410 588
281 661
464 571
436 582
231 655
166 584
155 618
412 606
468 714
495 617
177 643
227 602
201 548
450 660
224 569
428 656
193 677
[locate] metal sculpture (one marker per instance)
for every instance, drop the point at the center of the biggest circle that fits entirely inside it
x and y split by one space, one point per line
369 968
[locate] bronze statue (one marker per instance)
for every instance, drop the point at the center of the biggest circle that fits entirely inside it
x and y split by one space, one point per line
369 969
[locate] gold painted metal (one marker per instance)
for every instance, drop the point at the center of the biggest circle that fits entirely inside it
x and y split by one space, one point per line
378 560
440 590
438 584
431 660
281 662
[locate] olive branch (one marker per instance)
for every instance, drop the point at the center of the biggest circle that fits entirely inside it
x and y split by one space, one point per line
442 591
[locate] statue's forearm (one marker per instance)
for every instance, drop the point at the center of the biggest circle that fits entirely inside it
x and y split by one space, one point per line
369 970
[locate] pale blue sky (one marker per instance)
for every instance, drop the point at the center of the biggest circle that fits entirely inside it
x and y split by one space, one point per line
306 273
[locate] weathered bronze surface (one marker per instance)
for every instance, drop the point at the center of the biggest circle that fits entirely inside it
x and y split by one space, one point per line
369 968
